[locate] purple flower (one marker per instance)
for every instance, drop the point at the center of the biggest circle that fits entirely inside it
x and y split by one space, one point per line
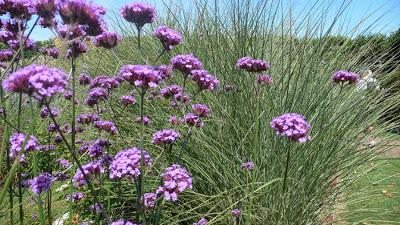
83 13
127 163
52 52
264 79
95 150
343 76
168 37
170 91
91 169
176 179
252 65
122 222
71 32
104 82
247 166
166 137
127 100
41 183
45 148
76 47
58 139
6 36
28 44
76 196
174 120
186 63
95 95
235 213
84 79
106 126
47 23
16 142
193 120
202 221
19 9
293 126
141 75
150 200
96 208
138 13
41 80
165 70
201 110
45 8
107 40
146 120
204 80
63 163
44 113
6 55
52 127
87 118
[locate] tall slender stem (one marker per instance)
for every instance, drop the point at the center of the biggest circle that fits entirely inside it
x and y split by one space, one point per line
139 29
73 103
286 171
142 172
161 54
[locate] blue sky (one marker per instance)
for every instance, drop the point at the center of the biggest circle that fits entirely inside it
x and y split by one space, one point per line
358 9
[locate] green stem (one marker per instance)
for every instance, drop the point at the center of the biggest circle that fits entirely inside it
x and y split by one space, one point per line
142 167
286 171
139 29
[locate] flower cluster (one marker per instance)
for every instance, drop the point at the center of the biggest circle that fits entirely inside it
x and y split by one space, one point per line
18 9
76 196
44 113
36 79
264 79
141 75
95 95
127 163
170 91
127 100
122 222
192 120
204 80
6 55
41 183
106 126
176 179
105 82
52 52
149 200
146 120
84 79
186 63
293 126
63 163
16 142
168 37
165 137
87 118
90 169
247 166
343 76
138 13
28 44
202 221
252 65
107 40
235 213
201 110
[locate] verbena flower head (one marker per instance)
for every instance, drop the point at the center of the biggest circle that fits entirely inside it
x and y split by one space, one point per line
66 31
84 13
127 100
127 163
6 55
95 150
165 137
6 36
141 75
91 169
166 71
29 44
46 9
106 126
41 183
36 79
252 65
168 37
107 40
84 79
104 82
170 91
176 179
76 196
174 120
186 63
202 221
122 222
95 95
201 110
52 52
192 120
264 79
47 23
204 80
87 118
146 120
19 9
44 113
63 163
247 166
343 76
138 13
149 200
16 142
293 126
76 47
235 213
